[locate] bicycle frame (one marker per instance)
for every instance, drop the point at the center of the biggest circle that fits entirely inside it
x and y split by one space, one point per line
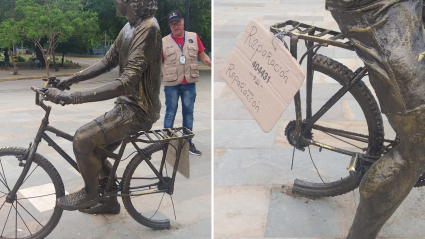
303 126
41 134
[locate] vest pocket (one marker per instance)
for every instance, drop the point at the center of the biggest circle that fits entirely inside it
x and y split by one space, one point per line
170 54
194 70
170 74
193 52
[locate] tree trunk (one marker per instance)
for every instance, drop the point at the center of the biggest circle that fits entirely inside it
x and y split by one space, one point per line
39 54
47 60
54 60
15 64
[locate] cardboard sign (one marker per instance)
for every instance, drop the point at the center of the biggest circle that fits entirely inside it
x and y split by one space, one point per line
263 74
184 164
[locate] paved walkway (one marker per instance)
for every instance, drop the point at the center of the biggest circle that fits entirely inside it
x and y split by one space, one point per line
252 169
19 122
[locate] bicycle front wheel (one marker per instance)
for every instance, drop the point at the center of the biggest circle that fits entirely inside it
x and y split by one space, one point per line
142 206
33 213
359 129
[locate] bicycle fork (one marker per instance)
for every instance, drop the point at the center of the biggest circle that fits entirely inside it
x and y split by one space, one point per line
28 157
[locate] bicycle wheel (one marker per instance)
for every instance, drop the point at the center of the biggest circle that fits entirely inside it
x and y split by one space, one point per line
361 131
144 208
33 213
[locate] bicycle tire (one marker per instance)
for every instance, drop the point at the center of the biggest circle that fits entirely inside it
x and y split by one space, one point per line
129 205
372 114
9 154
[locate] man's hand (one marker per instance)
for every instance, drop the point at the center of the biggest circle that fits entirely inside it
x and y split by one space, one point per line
205 59
57 96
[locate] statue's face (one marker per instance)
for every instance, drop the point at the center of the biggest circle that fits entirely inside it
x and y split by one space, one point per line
122 7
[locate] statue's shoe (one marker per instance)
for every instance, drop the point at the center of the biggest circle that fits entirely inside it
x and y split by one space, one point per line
76 200
110 207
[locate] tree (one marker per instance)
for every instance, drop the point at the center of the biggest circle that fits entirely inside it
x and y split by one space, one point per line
57 20
10 36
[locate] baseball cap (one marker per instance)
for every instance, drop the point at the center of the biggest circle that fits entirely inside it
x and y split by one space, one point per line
174 16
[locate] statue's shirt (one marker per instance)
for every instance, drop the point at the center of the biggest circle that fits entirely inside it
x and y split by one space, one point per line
388 36
137 52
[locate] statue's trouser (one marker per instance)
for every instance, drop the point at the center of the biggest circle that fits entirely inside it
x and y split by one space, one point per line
105 131
389 38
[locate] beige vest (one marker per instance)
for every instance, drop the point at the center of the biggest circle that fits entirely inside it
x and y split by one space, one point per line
172 71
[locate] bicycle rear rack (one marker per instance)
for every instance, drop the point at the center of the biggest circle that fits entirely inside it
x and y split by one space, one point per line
163 135
312 33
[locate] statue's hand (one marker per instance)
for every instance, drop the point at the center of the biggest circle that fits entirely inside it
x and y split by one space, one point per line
57 96
65 83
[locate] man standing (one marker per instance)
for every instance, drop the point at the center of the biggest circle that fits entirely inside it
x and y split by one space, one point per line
137 51
180 52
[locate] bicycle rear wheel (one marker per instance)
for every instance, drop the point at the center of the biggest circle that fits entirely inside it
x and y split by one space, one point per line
144 208
33 213
359 129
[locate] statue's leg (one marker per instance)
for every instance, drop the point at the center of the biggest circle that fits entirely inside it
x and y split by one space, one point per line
106 205
387 183
107 129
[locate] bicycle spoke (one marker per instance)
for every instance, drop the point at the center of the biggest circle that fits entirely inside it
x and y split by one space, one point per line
5 180
21 217
5 221
16 220
30 214
1 181
29 175
37 196
344 141
346 134
2 205
158 206
3 196
315 166
3 192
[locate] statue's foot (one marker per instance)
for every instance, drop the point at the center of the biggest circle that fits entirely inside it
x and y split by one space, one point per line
111 206
76 200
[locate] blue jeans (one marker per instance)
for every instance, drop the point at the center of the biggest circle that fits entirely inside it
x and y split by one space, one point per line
188 94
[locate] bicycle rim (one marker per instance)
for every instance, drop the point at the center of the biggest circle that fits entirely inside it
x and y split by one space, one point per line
358 129
33 213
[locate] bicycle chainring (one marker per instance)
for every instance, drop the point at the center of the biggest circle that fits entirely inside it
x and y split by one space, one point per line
289 132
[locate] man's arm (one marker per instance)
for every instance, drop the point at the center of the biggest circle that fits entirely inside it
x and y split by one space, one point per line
205 59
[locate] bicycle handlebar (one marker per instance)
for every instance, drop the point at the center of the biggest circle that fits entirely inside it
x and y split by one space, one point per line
41 91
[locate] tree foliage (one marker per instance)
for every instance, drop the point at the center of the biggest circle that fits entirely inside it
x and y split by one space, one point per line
58 20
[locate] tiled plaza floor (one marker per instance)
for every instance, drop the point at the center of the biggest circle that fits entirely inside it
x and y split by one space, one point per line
252 173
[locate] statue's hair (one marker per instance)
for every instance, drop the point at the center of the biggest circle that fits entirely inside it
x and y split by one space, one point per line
144 8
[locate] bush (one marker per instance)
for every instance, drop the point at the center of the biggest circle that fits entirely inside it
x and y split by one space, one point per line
21 59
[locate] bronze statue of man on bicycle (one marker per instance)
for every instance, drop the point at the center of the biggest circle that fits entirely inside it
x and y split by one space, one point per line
389 38
137 52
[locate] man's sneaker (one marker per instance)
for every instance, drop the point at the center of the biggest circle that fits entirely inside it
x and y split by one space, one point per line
193 150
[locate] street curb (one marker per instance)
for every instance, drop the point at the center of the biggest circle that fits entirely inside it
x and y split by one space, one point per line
68 74
34 77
